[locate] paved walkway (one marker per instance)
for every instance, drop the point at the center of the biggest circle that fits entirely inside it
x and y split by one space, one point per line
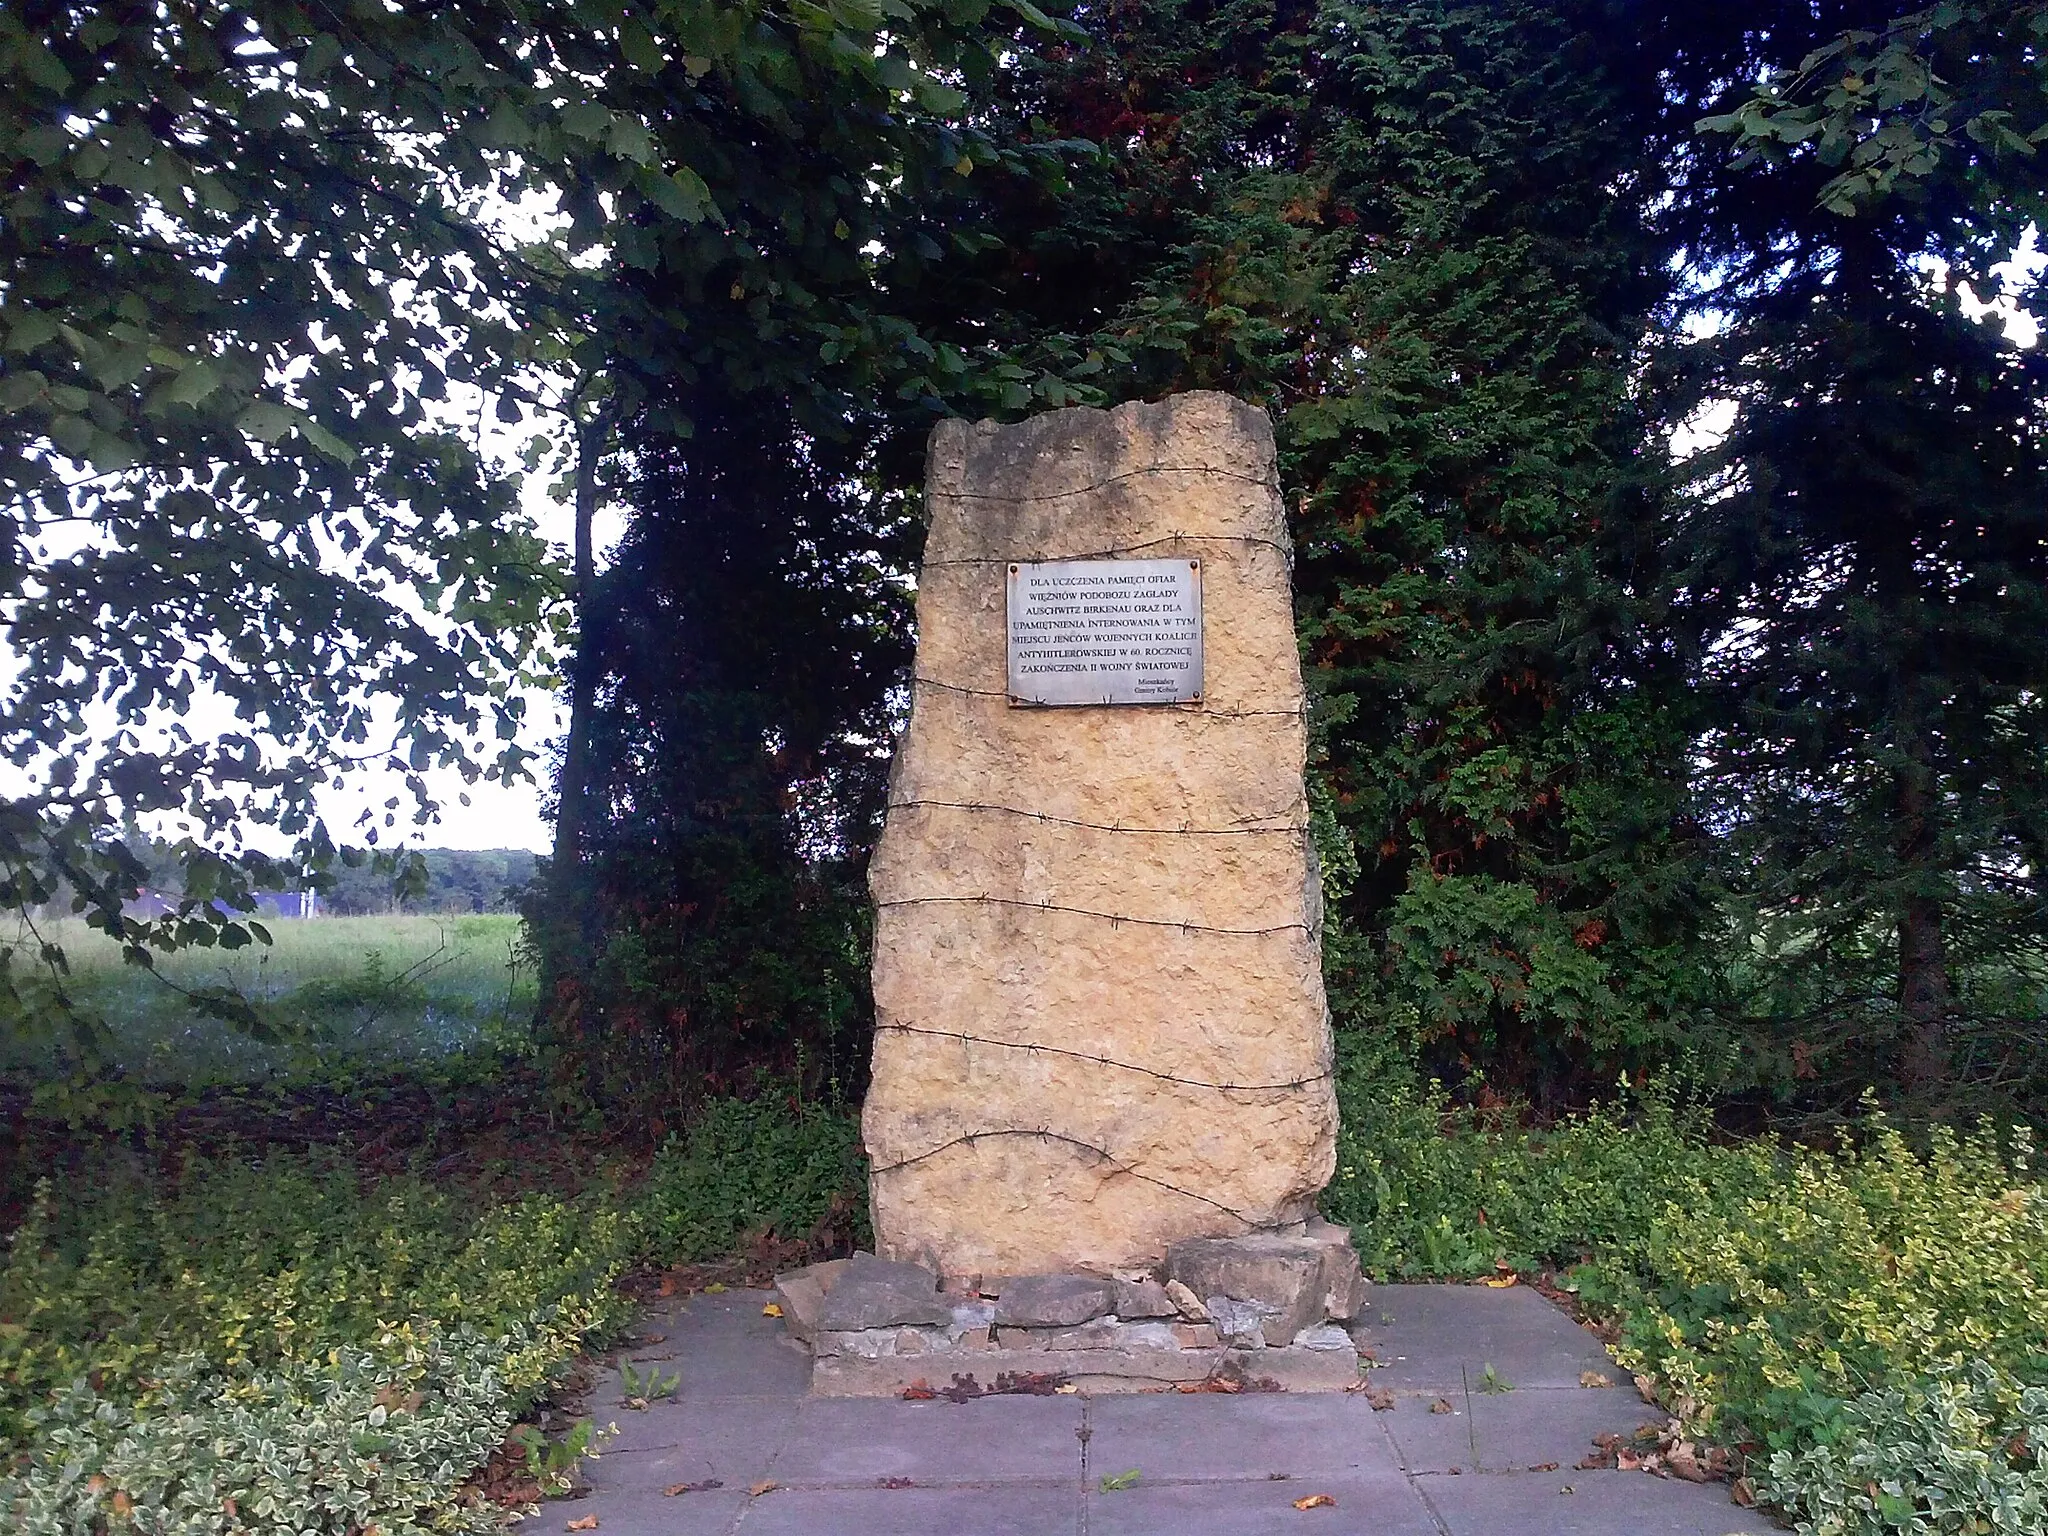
1206 1465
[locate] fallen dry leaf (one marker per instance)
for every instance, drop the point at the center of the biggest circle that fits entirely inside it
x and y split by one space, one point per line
1381 1399
667 1286
706 1486
1595 1379
766 1485
894 1482
715 1288
1442 1405
919 1391
771 1310
1315 1501
1744 1493
1066 1389
1500 1282
587 1523
1544 1466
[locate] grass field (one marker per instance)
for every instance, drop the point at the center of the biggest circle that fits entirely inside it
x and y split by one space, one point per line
337 994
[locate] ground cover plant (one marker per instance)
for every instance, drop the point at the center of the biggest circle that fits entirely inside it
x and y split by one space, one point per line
1865 1323
295 1339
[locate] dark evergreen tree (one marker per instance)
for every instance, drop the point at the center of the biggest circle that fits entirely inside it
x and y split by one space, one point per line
1866 559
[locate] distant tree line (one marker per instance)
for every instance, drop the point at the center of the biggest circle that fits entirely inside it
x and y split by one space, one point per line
1638 746
456 880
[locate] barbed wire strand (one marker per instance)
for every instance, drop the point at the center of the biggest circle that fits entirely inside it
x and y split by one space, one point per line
1185 925
1292 829
1103 485
1072 1141
1104 1061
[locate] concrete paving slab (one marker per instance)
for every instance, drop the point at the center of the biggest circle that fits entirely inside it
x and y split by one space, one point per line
1248 1434
1209 1464
719 1346
736 1443
1511 1431
1383 1504
859 1440
641 1510
1002 1510
1600 1504
732 1428
1420 1336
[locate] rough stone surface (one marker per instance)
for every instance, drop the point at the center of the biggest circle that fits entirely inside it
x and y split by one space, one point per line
1118 1369
1344 1282
1052 1301
1016 835
1189 1304
869 1292
1243 1323
802 1292
1143 1298
1283 1275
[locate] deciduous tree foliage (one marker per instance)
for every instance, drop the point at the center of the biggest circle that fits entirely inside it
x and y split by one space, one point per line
236 273
245 251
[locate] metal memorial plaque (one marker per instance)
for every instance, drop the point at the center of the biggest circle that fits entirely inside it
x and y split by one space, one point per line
1106 632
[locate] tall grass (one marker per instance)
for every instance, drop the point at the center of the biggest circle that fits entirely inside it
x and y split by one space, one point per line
333 993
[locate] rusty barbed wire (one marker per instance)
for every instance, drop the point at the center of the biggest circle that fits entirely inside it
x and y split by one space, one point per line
1293 829
1184 924
1129 474
1047 1134
1106 1061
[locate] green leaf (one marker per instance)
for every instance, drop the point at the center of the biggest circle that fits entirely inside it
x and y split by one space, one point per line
682 195
267 421
640 49
320 56
586 120
72 435
32 56
32 330
193 385
327 443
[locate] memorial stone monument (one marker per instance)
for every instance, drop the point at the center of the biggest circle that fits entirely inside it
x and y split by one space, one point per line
1101 1108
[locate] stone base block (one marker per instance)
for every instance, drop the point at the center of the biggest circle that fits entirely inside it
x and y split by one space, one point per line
1292 1368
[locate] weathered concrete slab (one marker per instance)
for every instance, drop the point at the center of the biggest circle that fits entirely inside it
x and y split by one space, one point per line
1371 1505
1247 1435
1424 1336
1208 1464
1511 1431
1599 1504
634 1505
988 1440
1097 970
1007 1510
